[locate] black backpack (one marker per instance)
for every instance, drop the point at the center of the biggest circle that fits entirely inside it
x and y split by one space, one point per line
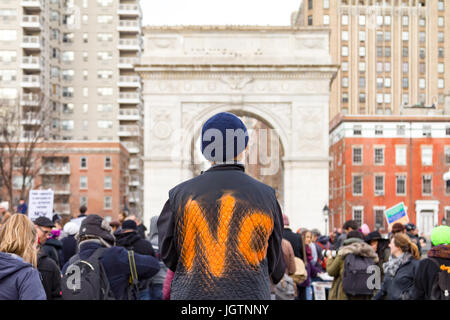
356 276
440 289
86 279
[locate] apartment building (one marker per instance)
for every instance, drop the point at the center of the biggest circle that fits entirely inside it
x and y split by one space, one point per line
76 59
393 53
380 161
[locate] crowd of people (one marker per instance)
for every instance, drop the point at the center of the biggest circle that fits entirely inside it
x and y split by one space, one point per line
220 236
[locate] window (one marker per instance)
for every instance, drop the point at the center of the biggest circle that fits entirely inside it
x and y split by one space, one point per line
104 55
310 20
105 108
345 98
83 201
441 68
108 163
83 163
108 183
67 125
447 155
326 4
345 82
379 218
345 51
357 155
357 130
104 19
400 185
345 20
405 67
441 83
358 215
378 130
362 82
108 91
108 203
379 185
427 183
447 187
68 56
362 51
362 20
426 131
357 186
68 108
405 83
362 36
344 66
400 155
18 182
83 183
326 19
362 98
379 156
8 35
427 156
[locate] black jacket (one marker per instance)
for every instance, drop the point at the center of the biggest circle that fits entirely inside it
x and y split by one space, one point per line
69 249
296 241
426 274
221 234
53 247
399 287
51 275
133 241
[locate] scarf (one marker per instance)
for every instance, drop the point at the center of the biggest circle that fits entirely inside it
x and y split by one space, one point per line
394 263
442 251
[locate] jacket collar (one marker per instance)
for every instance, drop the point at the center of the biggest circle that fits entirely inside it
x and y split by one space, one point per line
237 166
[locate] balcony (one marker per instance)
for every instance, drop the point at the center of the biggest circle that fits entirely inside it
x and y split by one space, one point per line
130 81
134 181
134 199
55 169
62 208
129 131
31 119
30 100
31 22
134 164
129 10
31 4
31 42
129 44
60 189
129 115
31 81
127 63
31 63
129 98
129 26
132 148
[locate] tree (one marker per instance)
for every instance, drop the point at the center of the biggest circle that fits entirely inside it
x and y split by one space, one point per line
21 133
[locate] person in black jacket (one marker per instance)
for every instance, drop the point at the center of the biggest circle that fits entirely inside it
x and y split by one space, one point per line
399 271
69 243
221 232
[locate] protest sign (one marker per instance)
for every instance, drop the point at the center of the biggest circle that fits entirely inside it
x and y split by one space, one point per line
40 204
397 214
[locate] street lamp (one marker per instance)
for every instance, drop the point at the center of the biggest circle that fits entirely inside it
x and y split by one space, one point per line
326 212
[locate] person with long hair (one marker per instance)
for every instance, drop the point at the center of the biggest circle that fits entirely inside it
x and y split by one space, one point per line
19 278
399 271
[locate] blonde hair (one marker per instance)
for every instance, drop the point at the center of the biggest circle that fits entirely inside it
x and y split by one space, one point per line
18 236
403 242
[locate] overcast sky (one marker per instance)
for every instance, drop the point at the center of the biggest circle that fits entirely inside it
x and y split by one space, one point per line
218 12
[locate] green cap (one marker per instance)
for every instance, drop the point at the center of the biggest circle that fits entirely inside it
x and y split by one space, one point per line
440 235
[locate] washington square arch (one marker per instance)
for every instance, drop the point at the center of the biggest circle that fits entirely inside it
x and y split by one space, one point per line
275 78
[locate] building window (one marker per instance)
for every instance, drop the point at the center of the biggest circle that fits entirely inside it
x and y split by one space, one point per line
447 130
427 183
108 183
83 163
379 156
326 4
108 163
310 20
83 183
357 130
427 156
107 203
379 185
400 155
379 219
400 182
357 186
379 130
83 201
358 213
326 19
357 155
447 187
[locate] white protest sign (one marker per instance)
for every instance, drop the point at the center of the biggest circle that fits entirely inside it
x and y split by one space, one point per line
40 204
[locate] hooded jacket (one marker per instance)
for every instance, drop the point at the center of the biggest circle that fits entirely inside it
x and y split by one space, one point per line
221 234
335 266
53 248
51 275
19 280
132 240
69 248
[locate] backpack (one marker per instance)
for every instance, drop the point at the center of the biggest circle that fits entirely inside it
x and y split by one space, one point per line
440 290
355 275
300 274
285 289
133 282
86 279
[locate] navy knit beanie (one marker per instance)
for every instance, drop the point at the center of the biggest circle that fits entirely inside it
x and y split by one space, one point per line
224 137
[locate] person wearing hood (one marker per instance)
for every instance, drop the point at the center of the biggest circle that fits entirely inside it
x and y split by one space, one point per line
438 258
354 244
53 247
47 265
381 247
69 243
156 284
400 270
19 278
95 233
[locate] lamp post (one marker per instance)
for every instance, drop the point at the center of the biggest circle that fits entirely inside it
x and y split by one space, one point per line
326 212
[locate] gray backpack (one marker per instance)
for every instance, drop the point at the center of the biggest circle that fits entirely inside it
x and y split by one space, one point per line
356 275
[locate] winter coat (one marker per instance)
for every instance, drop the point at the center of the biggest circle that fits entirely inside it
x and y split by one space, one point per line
19 280
289 256
133 241
400 286
221 210
311 268
51 275
296 241
141 229
69 248
117 267
335 267
340 241
427 271
53 248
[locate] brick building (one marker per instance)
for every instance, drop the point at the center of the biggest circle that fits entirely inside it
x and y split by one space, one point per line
94 174
380 161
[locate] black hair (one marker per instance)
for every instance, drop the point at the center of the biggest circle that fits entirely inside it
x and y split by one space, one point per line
350 224
355 234
83 209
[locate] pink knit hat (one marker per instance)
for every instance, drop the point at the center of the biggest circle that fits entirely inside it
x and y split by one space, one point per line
365 229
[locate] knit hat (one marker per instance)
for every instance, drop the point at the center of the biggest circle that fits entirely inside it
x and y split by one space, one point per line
129 225
375 235
410 227
44 222
71 228
365 229
355 234
224 137
94 225
440 235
